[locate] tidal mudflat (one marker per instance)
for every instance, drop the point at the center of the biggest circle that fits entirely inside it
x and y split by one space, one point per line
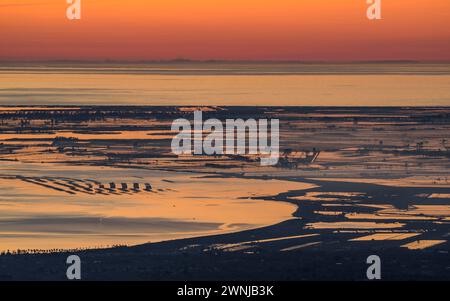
350 182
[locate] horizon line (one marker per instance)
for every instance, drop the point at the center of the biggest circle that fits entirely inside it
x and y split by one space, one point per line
183 60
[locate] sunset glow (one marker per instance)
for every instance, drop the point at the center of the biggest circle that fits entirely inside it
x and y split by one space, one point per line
225 29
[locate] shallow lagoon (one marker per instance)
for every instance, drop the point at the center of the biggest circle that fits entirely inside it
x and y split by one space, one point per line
179 205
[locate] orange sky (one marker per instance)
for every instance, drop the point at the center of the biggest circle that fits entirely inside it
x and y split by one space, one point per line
225 29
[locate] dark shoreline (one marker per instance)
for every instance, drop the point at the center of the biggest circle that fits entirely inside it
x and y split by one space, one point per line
234 68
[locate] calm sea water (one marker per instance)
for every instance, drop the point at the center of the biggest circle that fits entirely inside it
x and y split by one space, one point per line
227 84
